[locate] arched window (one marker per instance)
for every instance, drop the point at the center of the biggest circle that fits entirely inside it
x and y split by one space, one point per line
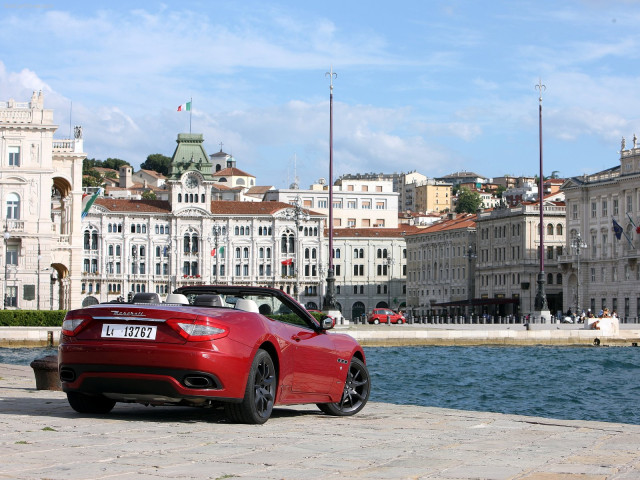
118 250
13 206
179 198
559 229
109 228
559 279
245 252
549 229
237 230
314 253
111 250
550 278
237 252
306 253
144 228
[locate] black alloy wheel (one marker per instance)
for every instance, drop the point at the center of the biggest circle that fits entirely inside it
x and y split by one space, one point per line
355 394
83 403
259 395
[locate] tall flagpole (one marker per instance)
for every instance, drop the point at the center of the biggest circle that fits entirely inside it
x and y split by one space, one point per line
330 297
190 112
540 304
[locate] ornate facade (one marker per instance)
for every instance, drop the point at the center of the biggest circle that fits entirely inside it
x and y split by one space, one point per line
41 195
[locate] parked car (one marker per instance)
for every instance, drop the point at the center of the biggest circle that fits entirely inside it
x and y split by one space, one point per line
383 315
243 348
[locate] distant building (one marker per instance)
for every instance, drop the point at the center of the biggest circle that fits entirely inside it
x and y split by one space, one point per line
42 202
609 271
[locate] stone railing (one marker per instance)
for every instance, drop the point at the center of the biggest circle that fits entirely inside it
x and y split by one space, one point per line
64 145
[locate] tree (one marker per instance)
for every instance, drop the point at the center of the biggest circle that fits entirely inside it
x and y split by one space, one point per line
468 201
149 195
114 163
158 163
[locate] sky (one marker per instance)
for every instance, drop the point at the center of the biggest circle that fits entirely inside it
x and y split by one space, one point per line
430 86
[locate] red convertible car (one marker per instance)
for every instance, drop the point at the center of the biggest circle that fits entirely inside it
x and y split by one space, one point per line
244 348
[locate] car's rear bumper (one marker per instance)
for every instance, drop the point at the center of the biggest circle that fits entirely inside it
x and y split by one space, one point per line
130 369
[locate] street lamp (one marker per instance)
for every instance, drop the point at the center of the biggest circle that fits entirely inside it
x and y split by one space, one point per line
390 263
297 214
54 277
470 255
217 232
577 244
540 304
6 236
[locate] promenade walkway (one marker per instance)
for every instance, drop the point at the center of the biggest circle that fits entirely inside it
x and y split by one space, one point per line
42 438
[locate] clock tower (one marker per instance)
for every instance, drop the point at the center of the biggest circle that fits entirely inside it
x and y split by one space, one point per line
190 172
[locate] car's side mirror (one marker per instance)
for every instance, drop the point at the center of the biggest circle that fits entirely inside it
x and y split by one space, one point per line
327 323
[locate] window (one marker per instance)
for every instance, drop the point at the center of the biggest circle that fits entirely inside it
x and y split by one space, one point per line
604 208
594 210
11 257
574 211
13 206
629 203
14 156
615 207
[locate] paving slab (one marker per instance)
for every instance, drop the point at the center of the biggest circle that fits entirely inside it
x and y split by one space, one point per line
41 437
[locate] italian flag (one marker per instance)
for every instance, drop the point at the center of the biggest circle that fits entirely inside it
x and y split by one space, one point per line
185 107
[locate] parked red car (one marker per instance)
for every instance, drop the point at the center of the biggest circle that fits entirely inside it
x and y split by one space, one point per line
245 348
383 315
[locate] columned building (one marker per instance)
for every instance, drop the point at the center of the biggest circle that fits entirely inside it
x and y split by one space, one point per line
508 262
606 256
440 266
133 246
370 268
41 195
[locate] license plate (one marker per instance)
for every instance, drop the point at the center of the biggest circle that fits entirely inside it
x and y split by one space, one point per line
142 332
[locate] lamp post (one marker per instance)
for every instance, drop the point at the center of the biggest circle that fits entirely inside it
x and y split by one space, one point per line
330 297
470 289
54 277
38 287
577 244
297 214
217 232
540 304
6 236
390 263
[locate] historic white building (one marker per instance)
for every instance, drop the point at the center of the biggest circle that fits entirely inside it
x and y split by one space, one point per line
135 246
371 268
439 266
357 202
41 195
606 259
507 256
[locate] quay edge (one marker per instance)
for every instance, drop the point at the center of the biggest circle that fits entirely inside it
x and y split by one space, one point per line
407 335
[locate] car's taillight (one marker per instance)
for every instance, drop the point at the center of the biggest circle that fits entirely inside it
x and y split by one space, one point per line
198 330
72 325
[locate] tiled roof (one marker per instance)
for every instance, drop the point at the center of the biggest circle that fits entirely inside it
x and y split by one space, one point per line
462 220
232 172
125 205
153 173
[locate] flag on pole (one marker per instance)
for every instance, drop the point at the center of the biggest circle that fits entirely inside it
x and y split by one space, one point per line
87 201
185 107
634 224
220 251
617 229
288 261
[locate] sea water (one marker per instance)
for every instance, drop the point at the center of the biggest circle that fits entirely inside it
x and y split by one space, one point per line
580 383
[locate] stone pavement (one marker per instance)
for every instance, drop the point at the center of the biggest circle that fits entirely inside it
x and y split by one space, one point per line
42 438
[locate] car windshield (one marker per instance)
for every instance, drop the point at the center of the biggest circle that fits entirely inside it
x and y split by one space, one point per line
269 302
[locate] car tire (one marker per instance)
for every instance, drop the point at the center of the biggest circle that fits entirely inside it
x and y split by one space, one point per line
355 394
376 321
399 322
259 395
83 403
